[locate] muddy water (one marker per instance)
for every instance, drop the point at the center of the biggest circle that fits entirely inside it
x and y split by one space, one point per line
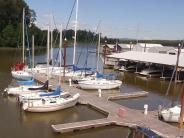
14 123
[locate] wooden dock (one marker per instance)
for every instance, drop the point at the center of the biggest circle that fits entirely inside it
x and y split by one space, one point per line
117 114
76 126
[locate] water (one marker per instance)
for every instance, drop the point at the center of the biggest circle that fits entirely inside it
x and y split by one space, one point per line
18 124
156 88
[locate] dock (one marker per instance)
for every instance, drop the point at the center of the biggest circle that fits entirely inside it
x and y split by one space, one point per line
116 113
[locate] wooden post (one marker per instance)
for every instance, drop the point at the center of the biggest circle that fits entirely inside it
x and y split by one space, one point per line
182 110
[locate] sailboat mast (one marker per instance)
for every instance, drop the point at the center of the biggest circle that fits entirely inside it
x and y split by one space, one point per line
32 51
75 37
60 56
23 36
51 37
48 51
98 56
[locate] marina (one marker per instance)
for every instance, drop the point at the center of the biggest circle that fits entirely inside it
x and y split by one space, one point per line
67 80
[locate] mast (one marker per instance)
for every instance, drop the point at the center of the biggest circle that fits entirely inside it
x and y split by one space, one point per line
32 51
48 42
75 37
51 38
177 61
98 52
60 56
23 36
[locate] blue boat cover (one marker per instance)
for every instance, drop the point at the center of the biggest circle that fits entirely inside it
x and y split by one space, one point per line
27 82
75 68
57 92
101 75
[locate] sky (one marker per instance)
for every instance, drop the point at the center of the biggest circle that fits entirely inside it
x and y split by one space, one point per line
139 19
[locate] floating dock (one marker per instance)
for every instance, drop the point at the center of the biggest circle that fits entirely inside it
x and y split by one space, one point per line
116 113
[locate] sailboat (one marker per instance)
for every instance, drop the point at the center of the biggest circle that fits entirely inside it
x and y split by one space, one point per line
48 104
99 82
19 70
172 114
50 101
25 89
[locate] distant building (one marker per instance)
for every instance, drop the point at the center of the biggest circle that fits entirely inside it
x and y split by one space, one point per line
144 47
162 50
123 47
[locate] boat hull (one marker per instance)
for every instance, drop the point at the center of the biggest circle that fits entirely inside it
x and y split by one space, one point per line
95 85
30 107
21 75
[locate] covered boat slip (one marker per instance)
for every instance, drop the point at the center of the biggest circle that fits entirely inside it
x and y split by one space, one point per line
157 58
164 63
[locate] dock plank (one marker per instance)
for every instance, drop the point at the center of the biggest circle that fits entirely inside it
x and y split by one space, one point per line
69 127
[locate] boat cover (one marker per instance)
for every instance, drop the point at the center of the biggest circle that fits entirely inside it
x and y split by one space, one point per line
44 87
27 82
57 92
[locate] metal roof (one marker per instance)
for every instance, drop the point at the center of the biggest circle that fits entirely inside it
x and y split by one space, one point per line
164 59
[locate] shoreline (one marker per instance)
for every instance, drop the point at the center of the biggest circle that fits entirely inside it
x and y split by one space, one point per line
12 48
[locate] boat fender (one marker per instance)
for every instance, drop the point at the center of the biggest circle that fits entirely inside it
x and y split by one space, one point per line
30 104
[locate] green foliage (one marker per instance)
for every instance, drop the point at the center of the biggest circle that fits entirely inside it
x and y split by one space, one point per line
9 36
11 20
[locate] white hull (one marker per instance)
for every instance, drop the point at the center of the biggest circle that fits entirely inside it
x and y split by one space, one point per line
21 75
36 96
51 104
171 114
150 73
100 84
22 90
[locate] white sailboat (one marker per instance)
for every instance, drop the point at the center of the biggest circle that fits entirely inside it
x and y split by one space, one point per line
42 94
26 89
171 114
50 104
20 73
99 82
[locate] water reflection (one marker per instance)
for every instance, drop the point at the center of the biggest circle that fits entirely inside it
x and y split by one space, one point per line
18 124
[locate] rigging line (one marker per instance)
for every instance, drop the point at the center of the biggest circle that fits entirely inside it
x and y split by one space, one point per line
70 14
64 34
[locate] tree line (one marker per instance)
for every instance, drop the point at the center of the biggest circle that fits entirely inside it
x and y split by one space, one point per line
11 27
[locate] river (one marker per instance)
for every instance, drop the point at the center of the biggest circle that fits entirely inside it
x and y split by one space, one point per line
15 123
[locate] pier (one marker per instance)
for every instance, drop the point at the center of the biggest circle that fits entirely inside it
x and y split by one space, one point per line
116 113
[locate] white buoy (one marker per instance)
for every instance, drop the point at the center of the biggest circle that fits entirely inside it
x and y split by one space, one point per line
145 109
70 82
99 93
